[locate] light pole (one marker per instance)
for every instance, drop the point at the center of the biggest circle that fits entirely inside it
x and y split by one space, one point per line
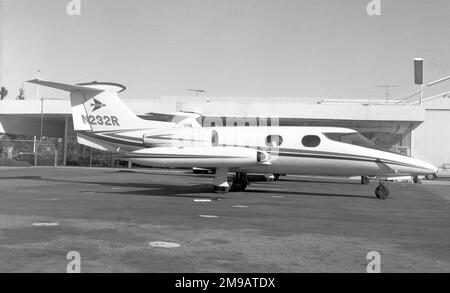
418 79
35 147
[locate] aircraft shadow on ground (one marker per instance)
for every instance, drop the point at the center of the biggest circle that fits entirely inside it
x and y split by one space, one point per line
143 172
21 178
281 192
201 191
319 181
251 177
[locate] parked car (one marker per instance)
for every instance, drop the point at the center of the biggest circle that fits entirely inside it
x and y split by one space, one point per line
443 172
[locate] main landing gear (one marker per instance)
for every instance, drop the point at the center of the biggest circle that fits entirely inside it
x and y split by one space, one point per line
365 180
382 192
238 183
222 184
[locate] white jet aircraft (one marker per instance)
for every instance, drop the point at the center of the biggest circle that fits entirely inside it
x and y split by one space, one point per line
104 122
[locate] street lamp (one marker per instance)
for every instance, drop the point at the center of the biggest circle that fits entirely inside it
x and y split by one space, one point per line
419 80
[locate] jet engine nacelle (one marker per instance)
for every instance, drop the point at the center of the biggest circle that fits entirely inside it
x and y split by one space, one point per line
206 157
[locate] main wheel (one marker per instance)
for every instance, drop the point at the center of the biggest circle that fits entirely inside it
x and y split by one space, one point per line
238 184
431 176
382 192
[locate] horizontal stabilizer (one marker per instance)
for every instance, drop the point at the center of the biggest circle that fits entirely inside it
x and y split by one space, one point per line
65 87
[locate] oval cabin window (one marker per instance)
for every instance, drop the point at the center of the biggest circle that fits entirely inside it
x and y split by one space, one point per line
274 141
215 138
311 141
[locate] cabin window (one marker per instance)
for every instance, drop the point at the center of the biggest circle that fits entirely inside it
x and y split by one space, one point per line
274 141
215 138
311 141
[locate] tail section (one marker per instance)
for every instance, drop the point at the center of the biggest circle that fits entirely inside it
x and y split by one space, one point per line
102 111
97 107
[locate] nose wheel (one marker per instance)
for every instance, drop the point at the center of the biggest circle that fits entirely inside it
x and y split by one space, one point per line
382 192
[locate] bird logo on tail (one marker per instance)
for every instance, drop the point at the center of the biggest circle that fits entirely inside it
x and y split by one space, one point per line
97 105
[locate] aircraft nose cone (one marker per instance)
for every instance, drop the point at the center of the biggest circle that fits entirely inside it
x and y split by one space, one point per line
434 168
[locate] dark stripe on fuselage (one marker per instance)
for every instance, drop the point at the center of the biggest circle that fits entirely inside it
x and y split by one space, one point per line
345 158
282 152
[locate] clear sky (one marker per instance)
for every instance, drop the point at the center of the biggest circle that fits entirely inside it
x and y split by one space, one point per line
310 48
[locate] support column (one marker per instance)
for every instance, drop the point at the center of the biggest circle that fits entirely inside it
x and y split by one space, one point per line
90 157
35 151
66 127
56 153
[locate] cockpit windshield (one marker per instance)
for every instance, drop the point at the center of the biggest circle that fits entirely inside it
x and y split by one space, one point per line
354 138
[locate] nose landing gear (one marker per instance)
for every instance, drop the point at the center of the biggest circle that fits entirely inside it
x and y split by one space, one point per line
382 192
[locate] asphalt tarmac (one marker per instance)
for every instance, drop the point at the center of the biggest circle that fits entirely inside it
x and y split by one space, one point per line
170 221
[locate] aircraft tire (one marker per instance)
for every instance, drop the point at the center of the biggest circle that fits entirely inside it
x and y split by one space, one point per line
382 192
431 177
238 184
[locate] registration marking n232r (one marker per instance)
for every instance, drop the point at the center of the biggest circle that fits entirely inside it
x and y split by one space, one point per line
101 120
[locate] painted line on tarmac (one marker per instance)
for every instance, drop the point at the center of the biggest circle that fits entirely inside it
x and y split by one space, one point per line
161 244
277 196
240 207
88 192
208 216
48 199
202 200
45 224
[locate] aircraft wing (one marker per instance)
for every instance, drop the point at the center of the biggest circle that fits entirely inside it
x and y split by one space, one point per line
385 167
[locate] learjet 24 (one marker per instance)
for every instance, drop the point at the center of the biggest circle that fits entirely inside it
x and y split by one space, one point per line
104 122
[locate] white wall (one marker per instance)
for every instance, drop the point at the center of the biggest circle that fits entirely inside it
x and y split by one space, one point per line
431 140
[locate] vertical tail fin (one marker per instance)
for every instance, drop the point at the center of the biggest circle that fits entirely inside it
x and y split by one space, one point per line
97 107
